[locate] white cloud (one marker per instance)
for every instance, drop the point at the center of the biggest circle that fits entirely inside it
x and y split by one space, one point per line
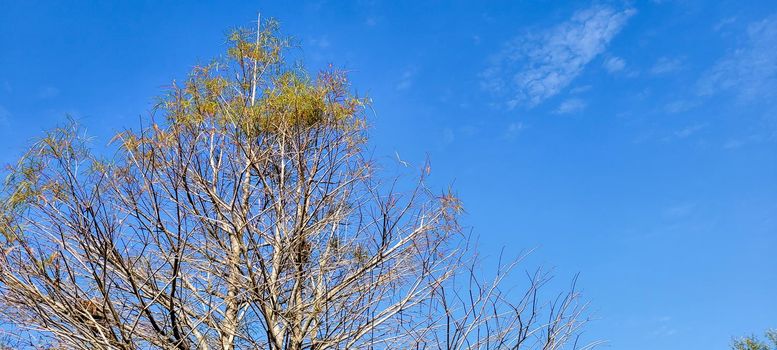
406 79
679 106
322 42
733 144
749 71
513 130
689 130
580 89
724 23
666 65
448 136
614 64
572 105
5 115
48 92
538 65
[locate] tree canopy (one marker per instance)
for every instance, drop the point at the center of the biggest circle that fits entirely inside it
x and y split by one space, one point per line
753 343
245 214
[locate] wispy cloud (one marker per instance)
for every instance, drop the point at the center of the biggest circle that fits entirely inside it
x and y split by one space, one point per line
614 64
48 92
749 71
535 66
448 136
743 140
513 129
733 144
683 133
319 48
724 23
579 89
406 79
689 130
572 105
5 115
666 65
679 210
371 21
679 106
321 42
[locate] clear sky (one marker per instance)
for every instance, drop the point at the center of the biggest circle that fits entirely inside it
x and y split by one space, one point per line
632 142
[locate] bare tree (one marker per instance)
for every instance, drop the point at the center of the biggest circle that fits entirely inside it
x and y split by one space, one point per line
246 216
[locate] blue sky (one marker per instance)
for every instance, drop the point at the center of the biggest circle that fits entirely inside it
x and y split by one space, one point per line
633 142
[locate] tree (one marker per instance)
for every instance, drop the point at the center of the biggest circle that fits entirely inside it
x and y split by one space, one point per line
753 343
245 215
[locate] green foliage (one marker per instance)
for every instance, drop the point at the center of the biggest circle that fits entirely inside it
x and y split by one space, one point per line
29 181
753 343
8 228
361 255
252 92
267 46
